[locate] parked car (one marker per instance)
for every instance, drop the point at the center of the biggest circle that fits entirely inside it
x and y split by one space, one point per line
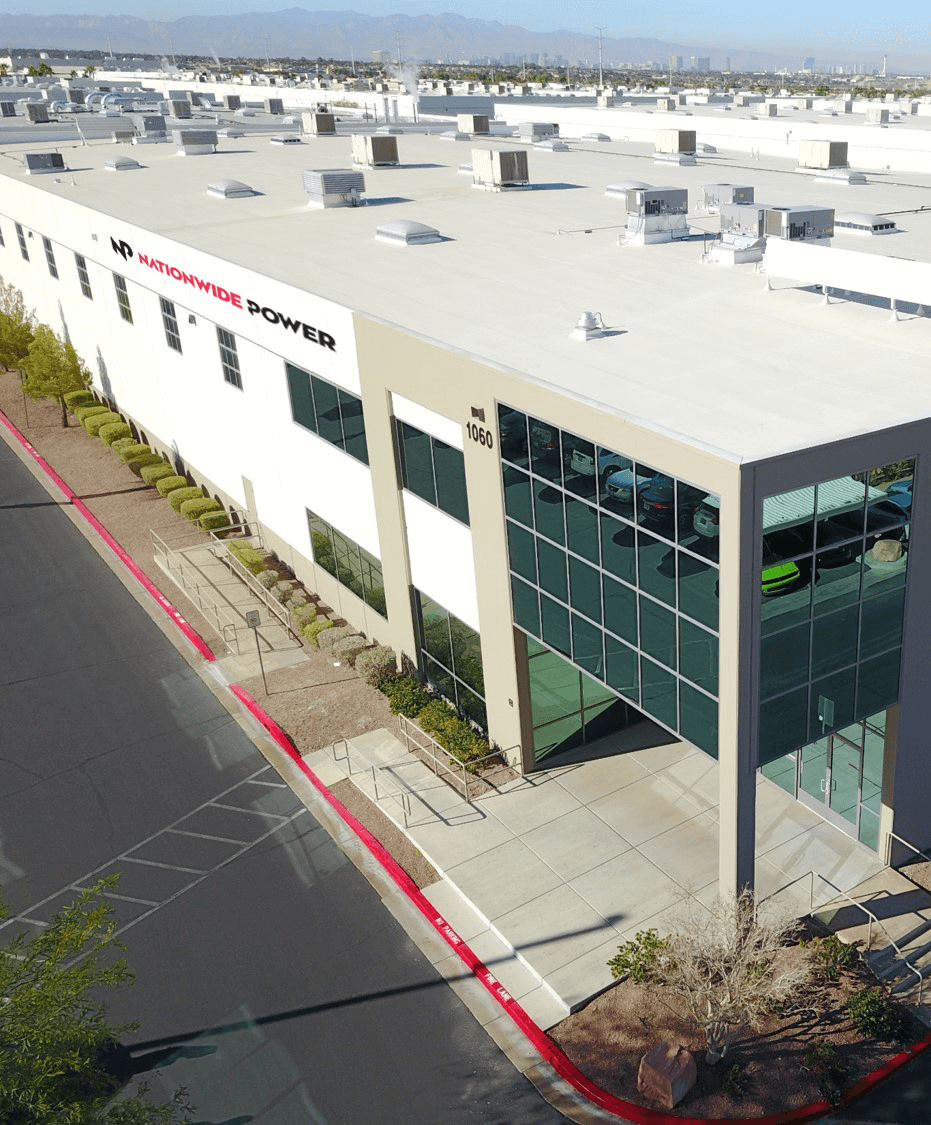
900 494
512 434
706 520
884 520
620 487
779 576
584 464
544 441
656 502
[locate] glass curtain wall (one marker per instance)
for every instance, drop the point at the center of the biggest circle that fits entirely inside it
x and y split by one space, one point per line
432 470
614 565
351 565
832 608
451 658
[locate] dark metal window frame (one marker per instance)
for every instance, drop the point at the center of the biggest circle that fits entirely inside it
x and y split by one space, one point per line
229 357
122 298
21 235
347 406
170 323
50 257
83 276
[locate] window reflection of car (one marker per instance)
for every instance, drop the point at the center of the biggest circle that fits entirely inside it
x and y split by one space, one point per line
512 433
883 521
584 463
706 520
779 576
899 493
832 550
620 486
656 501
544 440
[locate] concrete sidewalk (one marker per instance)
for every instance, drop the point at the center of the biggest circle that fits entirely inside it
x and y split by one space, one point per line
545 877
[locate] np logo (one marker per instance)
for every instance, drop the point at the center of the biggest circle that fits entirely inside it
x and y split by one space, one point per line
124 250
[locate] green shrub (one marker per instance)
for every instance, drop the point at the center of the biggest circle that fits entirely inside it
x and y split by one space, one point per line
827 1068
314 629
405 696
128 452
214 521
349 648
82 412
193 509
178 495
636 959
74 399
302 615
251 559
875 1015
267 578
831 956
297 598
113 431
122 443
337 634
439 719
376 665
93 423
137 464
152 473
282 590
169 484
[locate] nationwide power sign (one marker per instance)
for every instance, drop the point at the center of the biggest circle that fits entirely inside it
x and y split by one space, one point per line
227 296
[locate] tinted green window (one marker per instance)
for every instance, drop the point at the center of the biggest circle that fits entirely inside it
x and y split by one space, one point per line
618 553
545 450
555 621
302 401
350 409
467 654
698 590
517 502
587 646
512 436
657 567
882 620
435 626
449 466
552 567
658 632
351 565
329 423
548 511
622 669
783 724
526 606
620 606
451 657
585 587
582 529
658 693
698 719
417 462
839 689
784 661
698 656
834 640
878 682
522 552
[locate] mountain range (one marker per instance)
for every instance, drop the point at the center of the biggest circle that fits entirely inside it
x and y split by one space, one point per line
298 33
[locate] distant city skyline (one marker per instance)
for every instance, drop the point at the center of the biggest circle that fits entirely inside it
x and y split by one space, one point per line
832 35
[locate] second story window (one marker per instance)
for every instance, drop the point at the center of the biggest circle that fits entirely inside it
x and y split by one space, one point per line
122 298
170 321
83 276
329 412
23 248
432 470
229 359
50 257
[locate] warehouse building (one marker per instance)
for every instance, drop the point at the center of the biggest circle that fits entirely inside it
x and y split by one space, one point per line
606 488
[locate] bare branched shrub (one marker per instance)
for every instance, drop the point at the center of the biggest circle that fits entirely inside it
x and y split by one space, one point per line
728 966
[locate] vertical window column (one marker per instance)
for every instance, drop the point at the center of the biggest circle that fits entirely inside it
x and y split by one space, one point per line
229 359
50 257
23 248
122 298
170 322
83 276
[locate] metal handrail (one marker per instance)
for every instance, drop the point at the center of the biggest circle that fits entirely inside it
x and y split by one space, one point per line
859 905
452 765
401 793
890 836
222 551
222 619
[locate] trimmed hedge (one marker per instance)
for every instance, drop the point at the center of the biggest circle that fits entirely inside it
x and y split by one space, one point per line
93 423
127 452
252 559
123 443
406 696
114 431
82 412
314 629
169 484
214 521
177 496
376 665
152 473
193 509
137 464
74 399
349 648
338 633
440 720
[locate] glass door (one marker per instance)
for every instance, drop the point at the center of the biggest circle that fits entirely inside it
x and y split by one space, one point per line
832 778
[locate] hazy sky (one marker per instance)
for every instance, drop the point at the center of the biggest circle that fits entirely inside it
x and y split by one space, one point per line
839 30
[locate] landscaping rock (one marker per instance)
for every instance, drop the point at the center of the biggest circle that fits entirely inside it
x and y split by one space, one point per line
886 550
666 1074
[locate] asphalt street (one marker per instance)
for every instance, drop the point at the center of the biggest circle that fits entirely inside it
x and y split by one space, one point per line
272 983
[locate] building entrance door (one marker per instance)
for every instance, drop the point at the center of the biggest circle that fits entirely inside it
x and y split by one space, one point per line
831 780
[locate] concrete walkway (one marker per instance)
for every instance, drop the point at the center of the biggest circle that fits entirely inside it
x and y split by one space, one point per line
545 877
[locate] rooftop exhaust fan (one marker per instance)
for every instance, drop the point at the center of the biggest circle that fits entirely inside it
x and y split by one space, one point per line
334 187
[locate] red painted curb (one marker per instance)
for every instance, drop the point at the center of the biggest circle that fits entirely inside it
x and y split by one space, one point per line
148 585
567 1070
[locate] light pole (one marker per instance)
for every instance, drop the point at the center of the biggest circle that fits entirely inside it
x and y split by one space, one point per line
601 69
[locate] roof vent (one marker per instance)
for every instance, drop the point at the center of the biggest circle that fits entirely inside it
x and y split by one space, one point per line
537 130
861 222
840 176
319 124
334 187
590 326
374 152
602 137
495 169
244 113
388 129
195 142
38 163
406 232
229 131
285 139
624 186
229 189
121 164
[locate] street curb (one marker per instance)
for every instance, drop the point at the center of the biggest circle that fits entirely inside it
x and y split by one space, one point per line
547 1049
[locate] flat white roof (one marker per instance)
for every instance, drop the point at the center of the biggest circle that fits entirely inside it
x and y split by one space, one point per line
698 350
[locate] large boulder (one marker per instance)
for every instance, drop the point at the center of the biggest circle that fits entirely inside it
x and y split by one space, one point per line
666 1074
886 550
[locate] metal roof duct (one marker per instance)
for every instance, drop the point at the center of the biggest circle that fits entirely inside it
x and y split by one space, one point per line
195 142
333 187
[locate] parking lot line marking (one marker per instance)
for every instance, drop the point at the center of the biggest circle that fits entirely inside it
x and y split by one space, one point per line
251 812
129 898
204 836
166 866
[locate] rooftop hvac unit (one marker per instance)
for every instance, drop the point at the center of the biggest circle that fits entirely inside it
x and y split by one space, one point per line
877 115
36 112
822 154
232 101
675 146
604 101
768 109
274 105
7 109
474 123
668 104
180 109
195 142
334 187
40 162
123 136
374 152
804 103
537 130
179 95
800 224
499 169
713 195
319 124
744 218
656 215
76 96
151 123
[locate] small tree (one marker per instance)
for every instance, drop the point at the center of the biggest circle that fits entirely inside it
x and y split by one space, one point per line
728 967
53 1025
17 327
52 369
